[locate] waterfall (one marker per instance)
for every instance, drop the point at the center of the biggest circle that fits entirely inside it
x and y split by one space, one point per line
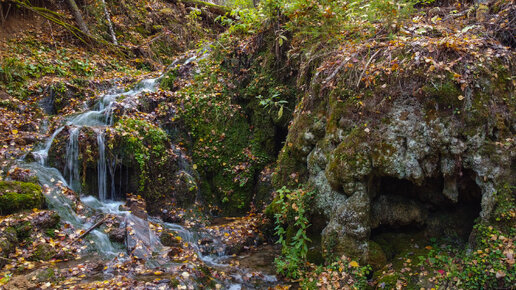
42 154
112 171
101 168
72 159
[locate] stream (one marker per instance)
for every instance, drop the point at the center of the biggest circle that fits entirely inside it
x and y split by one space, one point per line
142 241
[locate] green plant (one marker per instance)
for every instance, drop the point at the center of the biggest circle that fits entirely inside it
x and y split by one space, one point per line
273 102
82 67
12 69
291 209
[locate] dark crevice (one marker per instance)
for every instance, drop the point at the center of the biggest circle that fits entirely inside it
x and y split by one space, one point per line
280 135
403 210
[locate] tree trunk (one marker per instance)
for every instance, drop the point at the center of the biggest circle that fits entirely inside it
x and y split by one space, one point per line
110 25
78 17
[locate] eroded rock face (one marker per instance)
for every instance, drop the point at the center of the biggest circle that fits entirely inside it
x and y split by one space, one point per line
415 166
348 229
411 149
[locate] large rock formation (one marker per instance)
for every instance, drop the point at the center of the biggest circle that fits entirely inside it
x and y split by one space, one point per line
426 153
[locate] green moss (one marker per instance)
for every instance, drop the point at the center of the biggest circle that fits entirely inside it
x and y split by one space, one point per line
146 147
233 134
289 168
43 252
17 196
24 230
389 280
167 82
444 92
376 257
504 213
46 275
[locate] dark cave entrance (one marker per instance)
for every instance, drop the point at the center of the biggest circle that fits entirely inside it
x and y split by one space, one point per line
404 214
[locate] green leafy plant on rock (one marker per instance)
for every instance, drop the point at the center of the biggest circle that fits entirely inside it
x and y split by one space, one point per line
291 208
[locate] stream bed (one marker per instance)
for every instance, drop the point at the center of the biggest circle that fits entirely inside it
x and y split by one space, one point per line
131 249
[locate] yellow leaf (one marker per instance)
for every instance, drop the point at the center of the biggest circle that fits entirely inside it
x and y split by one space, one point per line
353 264
194 166
15 132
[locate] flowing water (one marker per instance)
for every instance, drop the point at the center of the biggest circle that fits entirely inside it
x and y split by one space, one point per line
101 167
72 159
100 117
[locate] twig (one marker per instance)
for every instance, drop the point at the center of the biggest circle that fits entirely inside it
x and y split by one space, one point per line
330 77
7 13
89 230
365 68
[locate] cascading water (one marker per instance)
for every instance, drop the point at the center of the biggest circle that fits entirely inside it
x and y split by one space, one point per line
72 159
142 241
101 167
41 155
53 180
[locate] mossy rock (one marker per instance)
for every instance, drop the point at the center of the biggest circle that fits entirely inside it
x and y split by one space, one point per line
16 196
375 256
45 275
315 256
8 240
43 252
170 239
387 281
23 230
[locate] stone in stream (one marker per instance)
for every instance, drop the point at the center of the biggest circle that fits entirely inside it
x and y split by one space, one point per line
141 241
137 206
170 239
171 216
116 229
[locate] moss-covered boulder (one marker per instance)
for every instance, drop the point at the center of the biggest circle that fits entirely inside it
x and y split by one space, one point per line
17 196
145 151
43 252
8 242
408 145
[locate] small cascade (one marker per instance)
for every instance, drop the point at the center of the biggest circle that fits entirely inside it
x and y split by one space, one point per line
112 171
41 155
72 159
142 239
53 182
101 168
